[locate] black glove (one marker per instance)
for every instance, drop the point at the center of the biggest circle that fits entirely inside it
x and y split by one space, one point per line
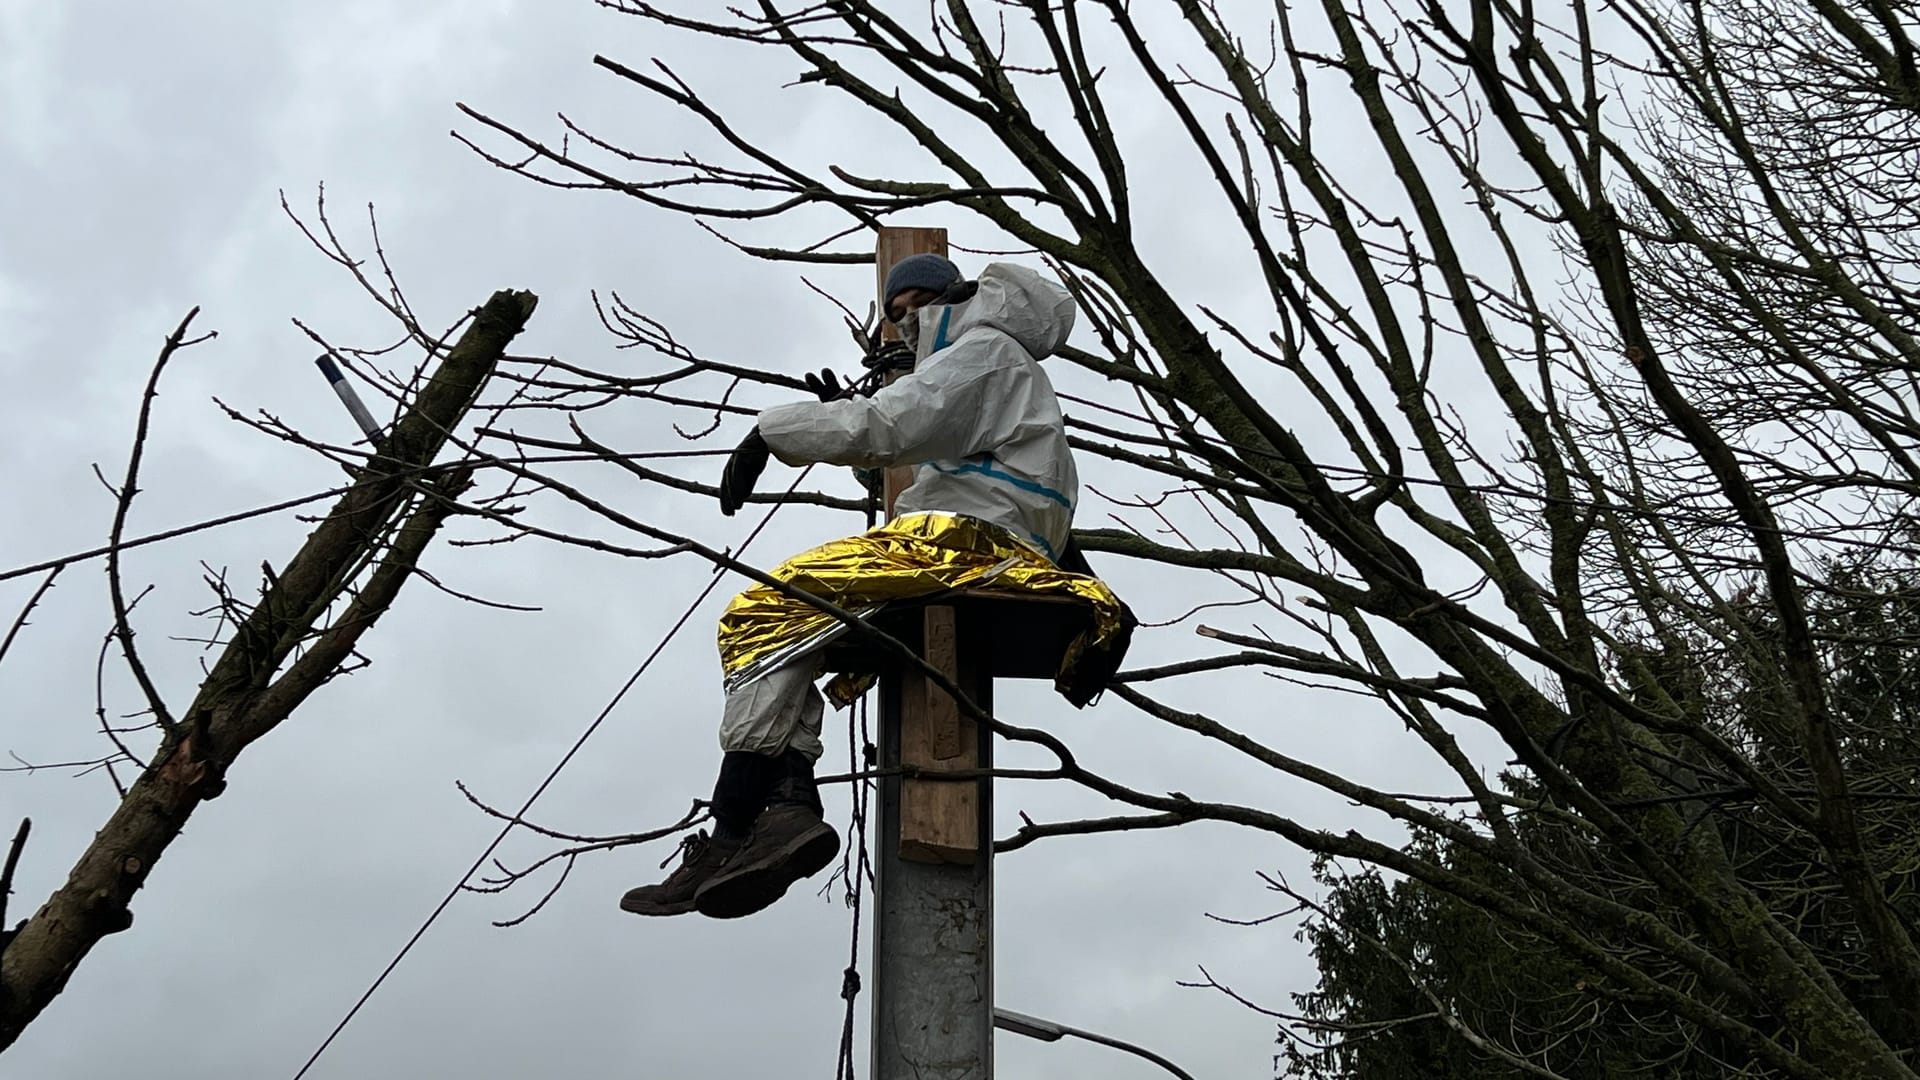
744 467
890 356
826 385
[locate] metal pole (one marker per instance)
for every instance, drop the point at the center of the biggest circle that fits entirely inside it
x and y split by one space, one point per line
348 396
933 926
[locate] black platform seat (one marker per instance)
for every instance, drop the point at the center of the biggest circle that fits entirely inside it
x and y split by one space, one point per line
1024 635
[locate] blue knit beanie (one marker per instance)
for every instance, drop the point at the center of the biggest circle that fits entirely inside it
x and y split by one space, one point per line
930 272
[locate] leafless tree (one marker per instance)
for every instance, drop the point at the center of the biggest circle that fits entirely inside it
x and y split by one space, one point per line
271 652
1593 324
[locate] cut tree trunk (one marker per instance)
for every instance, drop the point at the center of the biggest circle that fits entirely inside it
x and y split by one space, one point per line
246 694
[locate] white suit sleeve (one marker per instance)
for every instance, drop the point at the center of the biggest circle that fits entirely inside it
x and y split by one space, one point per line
947 410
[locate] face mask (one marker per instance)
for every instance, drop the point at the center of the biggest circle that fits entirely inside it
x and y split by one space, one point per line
949 310
910 330
932 316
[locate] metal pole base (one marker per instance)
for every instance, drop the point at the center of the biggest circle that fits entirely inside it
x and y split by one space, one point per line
933 933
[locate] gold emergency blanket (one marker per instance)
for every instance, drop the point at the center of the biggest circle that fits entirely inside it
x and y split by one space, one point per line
910 557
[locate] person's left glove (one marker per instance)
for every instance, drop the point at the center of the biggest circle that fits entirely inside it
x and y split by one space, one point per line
826 385
743 470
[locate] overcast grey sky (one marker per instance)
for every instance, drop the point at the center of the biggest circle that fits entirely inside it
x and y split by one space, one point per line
142 149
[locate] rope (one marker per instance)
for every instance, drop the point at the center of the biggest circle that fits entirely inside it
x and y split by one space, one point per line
544 784
857 869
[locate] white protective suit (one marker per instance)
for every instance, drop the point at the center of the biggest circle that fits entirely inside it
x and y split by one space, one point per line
978 419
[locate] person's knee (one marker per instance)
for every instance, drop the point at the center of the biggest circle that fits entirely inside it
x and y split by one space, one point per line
762 739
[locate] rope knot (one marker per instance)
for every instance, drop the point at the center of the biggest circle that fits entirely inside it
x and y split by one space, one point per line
849 984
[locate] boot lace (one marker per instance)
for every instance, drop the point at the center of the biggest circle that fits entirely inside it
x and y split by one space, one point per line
692 846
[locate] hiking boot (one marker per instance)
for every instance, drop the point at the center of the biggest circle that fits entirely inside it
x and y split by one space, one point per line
789 843
701 856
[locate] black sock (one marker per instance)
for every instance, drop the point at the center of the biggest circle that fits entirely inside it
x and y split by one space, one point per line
746 780
794 782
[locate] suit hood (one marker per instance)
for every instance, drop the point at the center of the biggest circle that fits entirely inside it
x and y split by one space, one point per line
1018 302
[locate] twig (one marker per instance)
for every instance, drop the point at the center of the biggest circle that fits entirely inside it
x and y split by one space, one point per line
100 700
28 610
692 816
30 767
6 874
1031 830
535 909
129 487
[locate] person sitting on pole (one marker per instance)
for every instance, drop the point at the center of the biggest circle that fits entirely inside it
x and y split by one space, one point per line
992 498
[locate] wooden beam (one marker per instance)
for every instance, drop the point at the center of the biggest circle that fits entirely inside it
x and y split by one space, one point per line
943 713
892 245
939 820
